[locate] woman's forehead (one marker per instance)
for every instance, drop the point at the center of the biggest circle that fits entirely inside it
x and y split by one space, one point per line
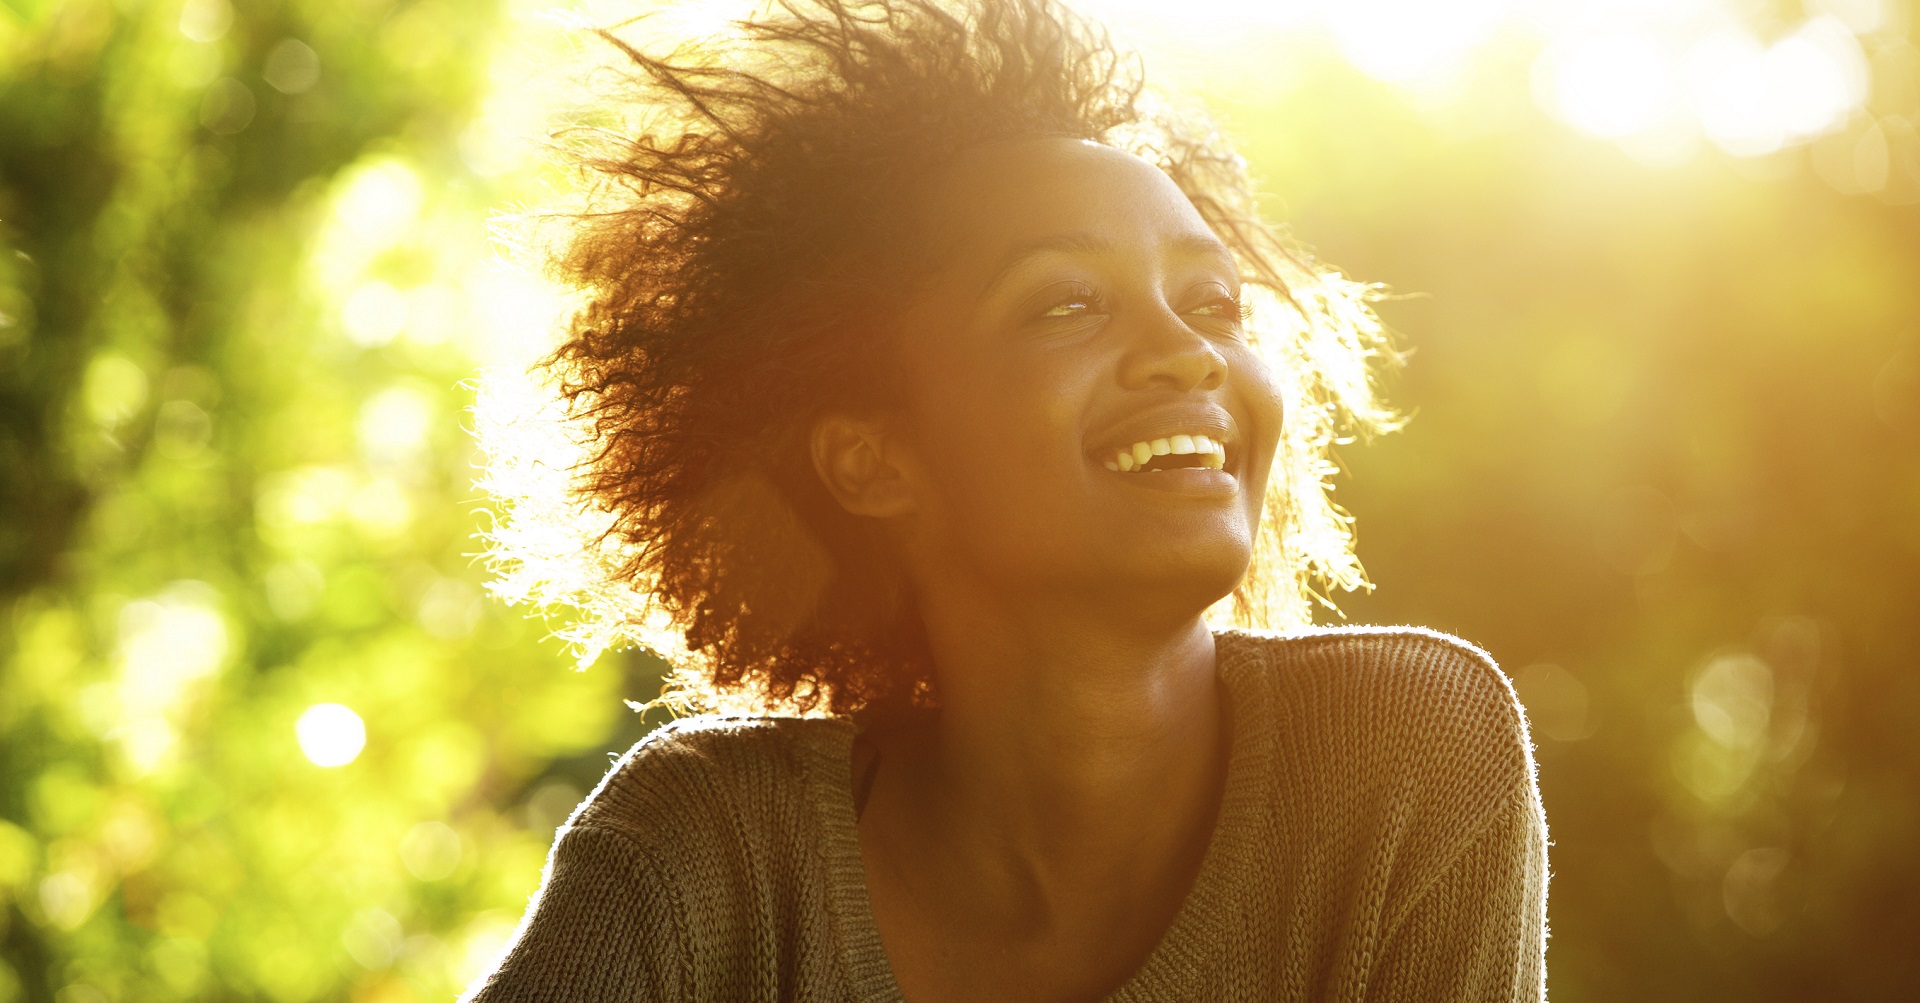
998 197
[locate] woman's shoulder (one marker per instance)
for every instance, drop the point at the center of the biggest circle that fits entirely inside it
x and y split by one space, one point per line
1407 699
692 871
730 774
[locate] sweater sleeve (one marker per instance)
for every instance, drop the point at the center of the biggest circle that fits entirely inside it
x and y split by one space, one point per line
1478 932
603 928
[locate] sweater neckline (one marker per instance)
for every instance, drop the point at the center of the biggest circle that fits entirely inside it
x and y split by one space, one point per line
1181 959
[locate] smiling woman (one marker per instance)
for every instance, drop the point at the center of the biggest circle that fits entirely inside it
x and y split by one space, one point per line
941 381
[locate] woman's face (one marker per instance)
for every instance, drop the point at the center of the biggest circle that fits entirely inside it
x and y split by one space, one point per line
1082 410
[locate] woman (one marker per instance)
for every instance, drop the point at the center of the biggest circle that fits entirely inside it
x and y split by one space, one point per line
937 379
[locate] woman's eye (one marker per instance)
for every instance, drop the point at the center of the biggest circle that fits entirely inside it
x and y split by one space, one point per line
1070 308
1072 303
1222 308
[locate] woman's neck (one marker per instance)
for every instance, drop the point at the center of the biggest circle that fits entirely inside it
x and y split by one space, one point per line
1043 737
1070 753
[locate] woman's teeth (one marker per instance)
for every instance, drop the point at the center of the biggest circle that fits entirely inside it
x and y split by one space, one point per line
1137 456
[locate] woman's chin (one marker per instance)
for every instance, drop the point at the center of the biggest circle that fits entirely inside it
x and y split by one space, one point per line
1183 582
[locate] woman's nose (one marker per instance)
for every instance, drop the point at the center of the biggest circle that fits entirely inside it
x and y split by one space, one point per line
1167 352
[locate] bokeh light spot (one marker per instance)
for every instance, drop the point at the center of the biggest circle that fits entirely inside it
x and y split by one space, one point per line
380 199
115 387
331 734
227 107
1733 700
206 20
373 938
170 645
66 899
430 850
292 67
396 426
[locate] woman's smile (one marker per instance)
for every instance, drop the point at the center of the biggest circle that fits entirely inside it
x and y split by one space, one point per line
1183 448
1181 451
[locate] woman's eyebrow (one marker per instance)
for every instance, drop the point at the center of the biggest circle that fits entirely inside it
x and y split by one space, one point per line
1026 250
1193 245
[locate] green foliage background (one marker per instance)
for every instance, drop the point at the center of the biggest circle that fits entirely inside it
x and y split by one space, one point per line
1665 465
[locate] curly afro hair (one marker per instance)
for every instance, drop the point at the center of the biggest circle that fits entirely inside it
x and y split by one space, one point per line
740 253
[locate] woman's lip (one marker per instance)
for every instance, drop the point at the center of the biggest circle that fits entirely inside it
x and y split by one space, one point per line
1225 438
1184 418
1181 480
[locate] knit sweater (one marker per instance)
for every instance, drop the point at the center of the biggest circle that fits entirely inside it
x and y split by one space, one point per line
1380 837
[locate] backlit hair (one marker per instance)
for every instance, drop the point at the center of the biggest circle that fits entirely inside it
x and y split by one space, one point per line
737 258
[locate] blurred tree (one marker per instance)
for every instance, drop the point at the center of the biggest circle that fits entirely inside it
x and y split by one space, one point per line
256 719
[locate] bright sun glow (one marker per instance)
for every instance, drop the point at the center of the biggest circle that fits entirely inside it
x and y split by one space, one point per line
1404 40
1641 72
331 734
1612 85
1753 99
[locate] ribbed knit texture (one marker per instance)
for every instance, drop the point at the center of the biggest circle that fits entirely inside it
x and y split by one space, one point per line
1380 838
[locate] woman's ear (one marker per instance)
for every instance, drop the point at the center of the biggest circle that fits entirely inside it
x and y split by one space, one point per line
853 460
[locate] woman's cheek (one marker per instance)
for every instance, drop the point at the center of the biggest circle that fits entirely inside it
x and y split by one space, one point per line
1260 392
